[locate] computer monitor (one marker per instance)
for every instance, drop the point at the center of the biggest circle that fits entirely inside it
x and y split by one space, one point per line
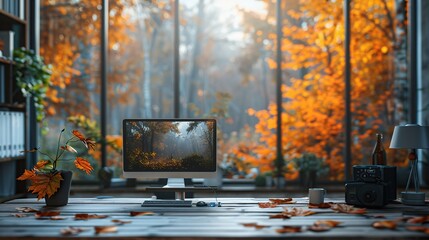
169 148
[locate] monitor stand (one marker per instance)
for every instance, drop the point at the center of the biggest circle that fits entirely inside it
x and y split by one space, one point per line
176 183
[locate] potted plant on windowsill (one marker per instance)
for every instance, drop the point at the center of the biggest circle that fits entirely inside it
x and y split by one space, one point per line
51 183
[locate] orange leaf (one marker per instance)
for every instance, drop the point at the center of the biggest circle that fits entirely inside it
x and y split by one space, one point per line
28 174
384 224
105 229
40 164
134 214
329 223
83 164
45 184
88 142
267 205
418 229
289 229
282 201
86 216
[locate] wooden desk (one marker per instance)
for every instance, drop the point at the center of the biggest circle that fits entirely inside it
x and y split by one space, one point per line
200 222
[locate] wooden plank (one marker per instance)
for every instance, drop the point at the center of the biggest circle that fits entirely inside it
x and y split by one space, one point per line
198 222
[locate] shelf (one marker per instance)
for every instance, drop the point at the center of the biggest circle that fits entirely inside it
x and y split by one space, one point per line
14 107
8 18
9 159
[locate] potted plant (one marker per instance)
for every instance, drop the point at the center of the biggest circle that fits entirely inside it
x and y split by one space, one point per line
310 167
32 76
47 181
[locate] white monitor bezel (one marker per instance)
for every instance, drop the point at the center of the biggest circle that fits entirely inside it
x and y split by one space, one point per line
175 174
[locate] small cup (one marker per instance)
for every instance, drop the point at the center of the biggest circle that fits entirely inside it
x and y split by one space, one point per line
316 195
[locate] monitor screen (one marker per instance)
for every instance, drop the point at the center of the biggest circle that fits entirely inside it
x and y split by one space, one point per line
169 148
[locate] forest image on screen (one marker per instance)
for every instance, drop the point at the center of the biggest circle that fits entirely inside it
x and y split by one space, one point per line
169 146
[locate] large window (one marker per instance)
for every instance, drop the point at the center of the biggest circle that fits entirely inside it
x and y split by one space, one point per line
228 61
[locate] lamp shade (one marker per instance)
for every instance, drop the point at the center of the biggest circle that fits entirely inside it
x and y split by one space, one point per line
410 136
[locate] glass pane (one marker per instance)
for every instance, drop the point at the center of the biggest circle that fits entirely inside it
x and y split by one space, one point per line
140 68
70 41
225 52
379 77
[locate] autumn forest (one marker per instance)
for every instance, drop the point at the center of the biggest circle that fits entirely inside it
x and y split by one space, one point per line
227 71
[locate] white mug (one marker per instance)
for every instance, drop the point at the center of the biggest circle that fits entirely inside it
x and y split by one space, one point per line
316 195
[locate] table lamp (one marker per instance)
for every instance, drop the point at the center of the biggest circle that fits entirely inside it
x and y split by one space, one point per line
412 137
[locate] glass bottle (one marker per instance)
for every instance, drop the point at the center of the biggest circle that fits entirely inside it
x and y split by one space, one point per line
379 154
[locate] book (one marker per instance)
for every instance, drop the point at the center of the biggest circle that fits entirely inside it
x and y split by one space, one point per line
6 43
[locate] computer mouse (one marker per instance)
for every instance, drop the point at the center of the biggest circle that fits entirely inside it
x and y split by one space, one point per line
201 204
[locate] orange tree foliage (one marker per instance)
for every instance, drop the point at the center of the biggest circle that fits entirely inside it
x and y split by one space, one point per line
313 88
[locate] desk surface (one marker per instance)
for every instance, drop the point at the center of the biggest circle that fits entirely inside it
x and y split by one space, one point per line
228 221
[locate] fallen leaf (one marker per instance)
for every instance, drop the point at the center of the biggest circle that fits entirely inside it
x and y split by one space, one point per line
344 208
321 205
267 205
261 226
423 219
86 216
26 209
249 224
118 221
280 215
418 229
72 230
134 213
329 223
289 229
105 229
282 200
384 224
57 218
292 212
19 215
46 214
322 228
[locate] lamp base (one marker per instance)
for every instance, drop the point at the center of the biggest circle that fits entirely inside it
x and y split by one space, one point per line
413 198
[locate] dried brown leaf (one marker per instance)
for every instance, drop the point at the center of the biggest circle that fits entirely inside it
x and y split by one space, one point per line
118 221
46 214
329 223
293 212
134 213
19 215
321 228
86 216
344 208
423 219
280 215
26 209
105 229
289 229
418 229
282 200
267 205
384 224
321 205
72 230
249 224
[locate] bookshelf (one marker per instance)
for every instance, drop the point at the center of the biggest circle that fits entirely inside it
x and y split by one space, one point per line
13 34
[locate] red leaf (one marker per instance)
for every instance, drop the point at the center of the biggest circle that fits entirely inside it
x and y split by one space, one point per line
282 201
321 205
423 219
289 229
86 216
46 214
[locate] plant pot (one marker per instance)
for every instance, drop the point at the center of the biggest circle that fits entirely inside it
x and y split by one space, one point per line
61 197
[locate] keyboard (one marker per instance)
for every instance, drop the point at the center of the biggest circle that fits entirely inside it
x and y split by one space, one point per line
167 203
